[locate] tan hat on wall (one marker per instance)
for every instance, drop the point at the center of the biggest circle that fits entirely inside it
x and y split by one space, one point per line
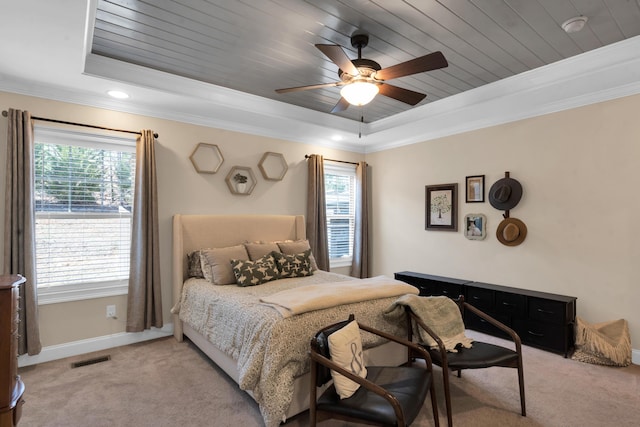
511 231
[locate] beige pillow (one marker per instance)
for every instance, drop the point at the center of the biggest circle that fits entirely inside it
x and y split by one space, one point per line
257 250
293 247
216 263
345 348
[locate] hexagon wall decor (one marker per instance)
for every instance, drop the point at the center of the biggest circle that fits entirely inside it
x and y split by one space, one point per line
206 158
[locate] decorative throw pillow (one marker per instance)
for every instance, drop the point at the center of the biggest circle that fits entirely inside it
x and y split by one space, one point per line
297 265
345 347
194 267
216 263
251 273
257 250
292 247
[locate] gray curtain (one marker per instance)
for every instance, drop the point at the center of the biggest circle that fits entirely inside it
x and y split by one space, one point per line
144 303
360 263
317 212
19 226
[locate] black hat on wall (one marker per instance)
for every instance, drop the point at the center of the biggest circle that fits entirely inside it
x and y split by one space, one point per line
505 194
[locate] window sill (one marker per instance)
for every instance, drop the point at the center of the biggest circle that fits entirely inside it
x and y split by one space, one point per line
66 293
340 262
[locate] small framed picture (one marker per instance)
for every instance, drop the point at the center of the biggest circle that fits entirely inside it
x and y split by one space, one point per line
475 226
441 207
474 190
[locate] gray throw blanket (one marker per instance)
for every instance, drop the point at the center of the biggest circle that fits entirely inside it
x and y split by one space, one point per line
441 314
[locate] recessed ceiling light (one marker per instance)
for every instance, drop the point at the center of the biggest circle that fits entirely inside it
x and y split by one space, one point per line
575 24
118 94
337 137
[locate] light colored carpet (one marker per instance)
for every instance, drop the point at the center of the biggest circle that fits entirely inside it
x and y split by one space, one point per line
166 383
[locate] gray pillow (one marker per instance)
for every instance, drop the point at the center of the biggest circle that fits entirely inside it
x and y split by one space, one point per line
251 273
293 247
216 263
298 265
257 250
194 266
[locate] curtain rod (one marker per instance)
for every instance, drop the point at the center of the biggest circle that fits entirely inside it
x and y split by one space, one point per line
306 156
155 135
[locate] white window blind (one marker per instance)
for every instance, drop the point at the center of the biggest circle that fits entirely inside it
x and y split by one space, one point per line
339 184
83 200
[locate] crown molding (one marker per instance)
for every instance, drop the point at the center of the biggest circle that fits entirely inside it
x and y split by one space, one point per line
596 76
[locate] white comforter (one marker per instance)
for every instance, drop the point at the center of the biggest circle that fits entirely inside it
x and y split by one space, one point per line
271 350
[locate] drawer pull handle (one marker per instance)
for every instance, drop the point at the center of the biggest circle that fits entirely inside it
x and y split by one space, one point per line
445 292
508 304
535 334
475 298
545 311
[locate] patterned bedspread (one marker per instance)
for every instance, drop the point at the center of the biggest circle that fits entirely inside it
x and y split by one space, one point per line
271 350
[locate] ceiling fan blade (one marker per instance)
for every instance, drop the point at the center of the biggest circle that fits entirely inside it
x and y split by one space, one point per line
432 61
337 55
340 106
299 88
405 95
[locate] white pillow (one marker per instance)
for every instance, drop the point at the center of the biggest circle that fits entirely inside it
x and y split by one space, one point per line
345 347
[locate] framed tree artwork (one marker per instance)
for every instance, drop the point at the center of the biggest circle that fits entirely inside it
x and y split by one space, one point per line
441 207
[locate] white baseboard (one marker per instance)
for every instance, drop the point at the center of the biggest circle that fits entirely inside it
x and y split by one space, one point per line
60 351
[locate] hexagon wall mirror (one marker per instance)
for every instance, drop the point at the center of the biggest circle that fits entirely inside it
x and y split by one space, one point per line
273 166
206 158
241 180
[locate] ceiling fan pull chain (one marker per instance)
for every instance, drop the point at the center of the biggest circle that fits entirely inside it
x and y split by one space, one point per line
361 122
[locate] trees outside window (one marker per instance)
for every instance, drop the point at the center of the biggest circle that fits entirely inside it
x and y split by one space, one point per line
83 201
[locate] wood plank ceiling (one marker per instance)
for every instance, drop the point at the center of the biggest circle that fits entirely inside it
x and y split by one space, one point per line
260 46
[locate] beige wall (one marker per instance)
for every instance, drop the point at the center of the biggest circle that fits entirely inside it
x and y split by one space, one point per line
579 170
181 190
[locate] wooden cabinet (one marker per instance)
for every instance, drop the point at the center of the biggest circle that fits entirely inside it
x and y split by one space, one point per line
11 386
541 319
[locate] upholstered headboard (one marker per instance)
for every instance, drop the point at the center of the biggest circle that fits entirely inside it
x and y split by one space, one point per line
193 232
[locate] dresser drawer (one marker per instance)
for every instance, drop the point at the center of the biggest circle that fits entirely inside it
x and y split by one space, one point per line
477 323
513 304
547 310
544 335
430 285
433 288
482 299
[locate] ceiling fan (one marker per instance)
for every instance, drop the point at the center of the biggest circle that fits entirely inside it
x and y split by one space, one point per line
362 79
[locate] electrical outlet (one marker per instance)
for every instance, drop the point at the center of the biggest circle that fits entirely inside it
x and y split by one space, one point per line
111 311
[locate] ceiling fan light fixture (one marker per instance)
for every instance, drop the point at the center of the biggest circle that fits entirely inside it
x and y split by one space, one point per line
359 93
575 24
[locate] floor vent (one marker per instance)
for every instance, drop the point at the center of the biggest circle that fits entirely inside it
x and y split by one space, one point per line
90 361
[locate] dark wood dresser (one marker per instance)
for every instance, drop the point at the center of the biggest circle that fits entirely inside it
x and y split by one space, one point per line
541 319
11 386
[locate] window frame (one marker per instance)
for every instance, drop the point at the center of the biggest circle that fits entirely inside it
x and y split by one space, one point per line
350 171
64 136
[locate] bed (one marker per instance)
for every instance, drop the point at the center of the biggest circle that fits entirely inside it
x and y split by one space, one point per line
257 344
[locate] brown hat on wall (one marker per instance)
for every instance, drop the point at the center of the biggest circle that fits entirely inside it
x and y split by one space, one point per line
505 194
511 231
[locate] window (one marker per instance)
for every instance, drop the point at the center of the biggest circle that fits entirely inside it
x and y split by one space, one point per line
83 203
340 188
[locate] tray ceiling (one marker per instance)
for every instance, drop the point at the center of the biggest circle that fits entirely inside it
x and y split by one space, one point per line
256 47
218 63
